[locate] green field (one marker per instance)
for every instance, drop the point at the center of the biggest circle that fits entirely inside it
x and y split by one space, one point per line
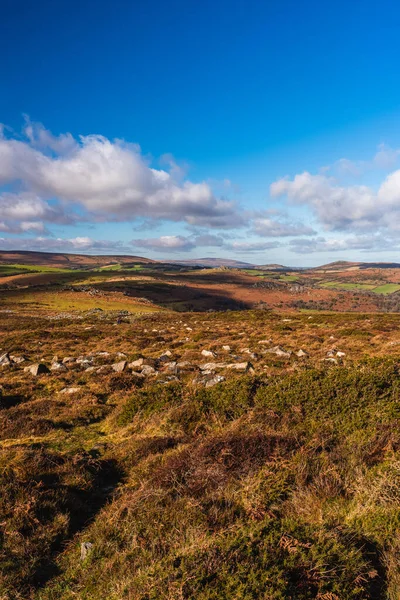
341 285
20 269
388 288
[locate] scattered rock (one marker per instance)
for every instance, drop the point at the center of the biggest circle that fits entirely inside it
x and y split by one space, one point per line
17 359
70 390
68 359
301 353
241 366
59 367
119 366
340 354
212 366
148 370
5 359
136 364
37 369
103 369
86 549
330 360
185 365
278 351
214 380
265 342
226 348
208 353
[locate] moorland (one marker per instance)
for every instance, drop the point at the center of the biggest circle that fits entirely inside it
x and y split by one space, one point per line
187 431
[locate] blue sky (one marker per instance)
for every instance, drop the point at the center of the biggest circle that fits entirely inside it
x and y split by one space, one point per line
263 131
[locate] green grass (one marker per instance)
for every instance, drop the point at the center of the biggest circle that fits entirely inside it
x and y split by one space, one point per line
280 488
347 286
388 288
21 268
70 301
289 278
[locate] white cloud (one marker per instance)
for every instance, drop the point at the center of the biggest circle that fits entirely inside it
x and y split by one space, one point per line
45 244
253 246
343 207
271 228
171 243
364 243
109 179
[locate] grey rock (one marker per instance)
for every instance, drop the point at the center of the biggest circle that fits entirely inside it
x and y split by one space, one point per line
148 370
68 360
119 366
212 366
37 369
301 353
59 367
5 359
208 353
136 364
241 366
86 549
70 390
278 351
214 380
17 359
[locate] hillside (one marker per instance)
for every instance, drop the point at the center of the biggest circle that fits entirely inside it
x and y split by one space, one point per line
54 259
229 455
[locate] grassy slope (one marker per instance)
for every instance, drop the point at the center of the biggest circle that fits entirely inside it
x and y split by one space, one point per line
283 485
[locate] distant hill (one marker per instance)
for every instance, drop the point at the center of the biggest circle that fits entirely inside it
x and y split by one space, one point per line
343 265
58 259
214 262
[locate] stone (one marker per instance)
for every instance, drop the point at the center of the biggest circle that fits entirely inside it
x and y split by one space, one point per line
212 366
226 348
340 354
214 380
165 356
57 366
70 390
278 351
119 366
208 353
261 342
301 353
241 366
67 360
148 370
17 359
86 549
103 369
330 360
5 359
37 369
136 364
185 365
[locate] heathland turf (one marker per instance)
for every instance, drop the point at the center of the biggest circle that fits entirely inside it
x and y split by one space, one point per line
282 484
45 301
388 288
